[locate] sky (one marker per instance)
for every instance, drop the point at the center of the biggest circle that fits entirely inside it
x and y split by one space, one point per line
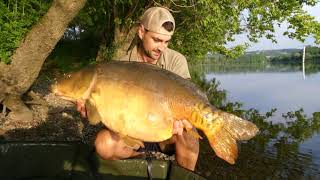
283 41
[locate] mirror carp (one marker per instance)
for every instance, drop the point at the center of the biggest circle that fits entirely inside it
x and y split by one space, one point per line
140 102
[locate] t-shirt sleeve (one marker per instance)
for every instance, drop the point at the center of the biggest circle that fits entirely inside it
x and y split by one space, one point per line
180 67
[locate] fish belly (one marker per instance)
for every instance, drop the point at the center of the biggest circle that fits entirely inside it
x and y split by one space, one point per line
133 111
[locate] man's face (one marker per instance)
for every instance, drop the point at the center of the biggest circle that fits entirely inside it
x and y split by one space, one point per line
153 43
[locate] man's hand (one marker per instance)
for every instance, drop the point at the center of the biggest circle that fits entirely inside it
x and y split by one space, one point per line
180 125
81 108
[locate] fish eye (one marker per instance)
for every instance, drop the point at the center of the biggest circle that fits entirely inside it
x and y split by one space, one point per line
67 75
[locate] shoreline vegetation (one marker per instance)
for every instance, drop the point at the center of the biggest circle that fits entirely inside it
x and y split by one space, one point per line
283 60
281 56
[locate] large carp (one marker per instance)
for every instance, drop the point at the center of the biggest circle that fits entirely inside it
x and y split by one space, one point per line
141 101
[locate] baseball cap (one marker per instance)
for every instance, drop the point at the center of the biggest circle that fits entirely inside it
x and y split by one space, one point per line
153 19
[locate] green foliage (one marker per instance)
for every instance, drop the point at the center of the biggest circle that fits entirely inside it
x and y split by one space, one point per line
201 26
100 18
312 54
204 26
207 25
71 55
16 19
107 52
300 127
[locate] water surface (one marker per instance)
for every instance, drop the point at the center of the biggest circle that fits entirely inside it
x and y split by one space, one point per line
286 91
278 152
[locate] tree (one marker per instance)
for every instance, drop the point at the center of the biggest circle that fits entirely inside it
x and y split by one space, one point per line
202 25
26 61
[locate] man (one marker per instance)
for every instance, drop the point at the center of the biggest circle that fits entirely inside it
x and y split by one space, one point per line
155 30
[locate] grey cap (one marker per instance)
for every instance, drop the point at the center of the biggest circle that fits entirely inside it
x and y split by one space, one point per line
153 19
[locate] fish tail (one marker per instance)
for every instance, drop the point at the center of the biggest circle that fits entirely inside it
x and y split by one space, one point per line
223 130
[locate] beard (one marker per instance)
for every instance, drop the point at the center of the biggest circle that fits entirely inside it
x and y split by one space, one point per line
149 54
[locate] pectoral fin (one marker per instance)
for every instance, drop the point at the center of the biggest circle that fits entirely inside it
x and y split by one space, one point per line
92 112
132 143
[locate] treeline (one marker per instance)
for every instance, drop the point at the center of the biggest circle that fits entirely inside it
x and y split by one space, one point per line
312 54
283 56
254 59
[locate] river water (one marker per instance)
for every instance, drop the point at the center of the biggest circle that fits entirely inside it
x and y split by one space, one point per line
286 91
293 153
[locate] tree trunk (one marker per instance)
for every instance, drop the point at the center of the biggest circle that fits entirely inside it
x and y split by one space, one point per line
122 41
17 77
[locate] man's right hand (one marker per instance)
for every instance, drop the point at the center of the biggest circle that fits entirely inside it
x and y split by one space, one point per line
81 108
180 125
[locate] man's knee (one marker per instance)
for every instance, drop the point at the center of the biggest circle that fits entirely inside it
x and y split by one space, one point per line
111 147
104 144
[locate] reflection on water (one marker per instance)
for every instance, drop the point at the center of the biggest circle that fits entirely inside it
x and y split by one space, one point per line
286 91
288 145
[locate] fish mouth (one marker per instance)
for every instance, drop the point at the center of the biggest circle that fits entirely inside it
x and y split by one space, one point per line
67 98
56 92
